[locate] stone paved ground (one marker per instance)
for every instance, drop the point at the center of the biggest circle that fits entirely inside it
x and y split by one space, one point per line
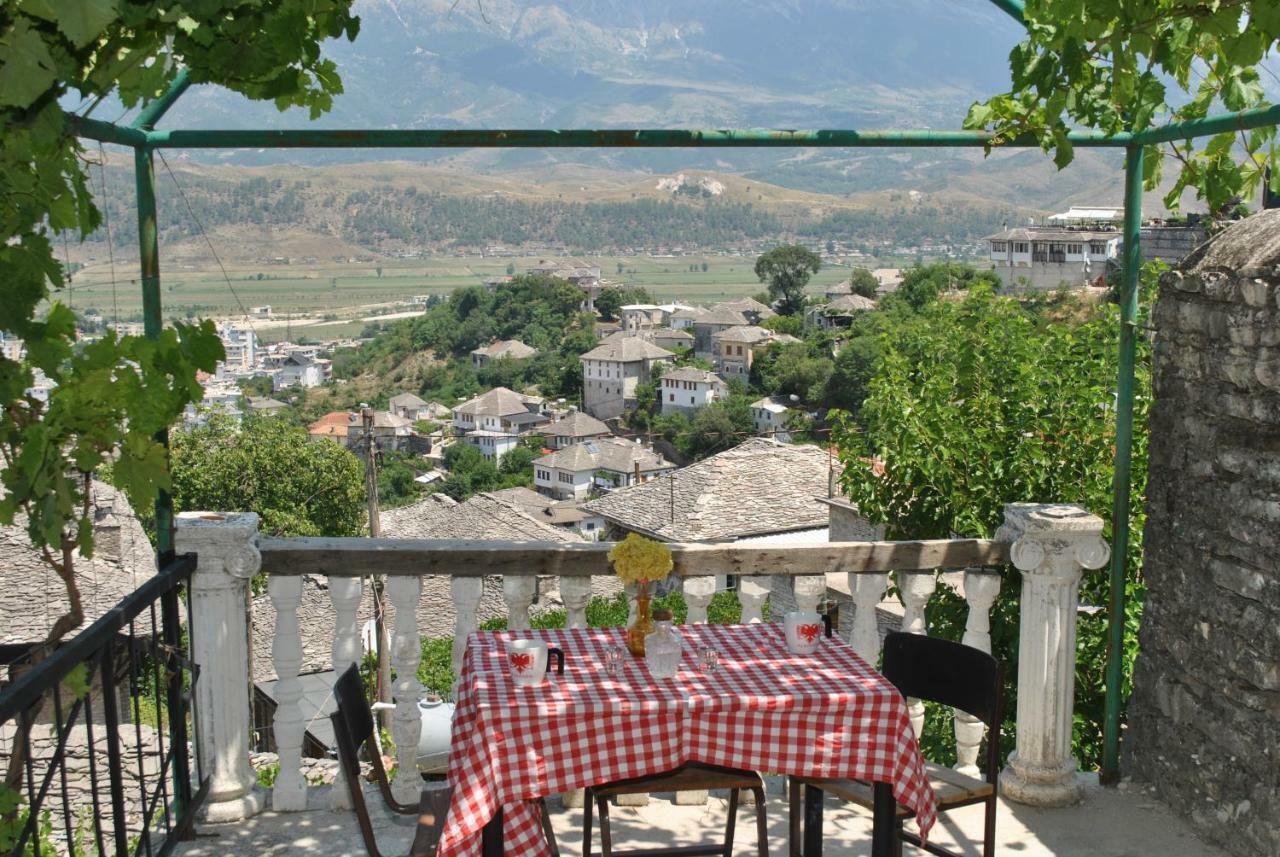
1120 823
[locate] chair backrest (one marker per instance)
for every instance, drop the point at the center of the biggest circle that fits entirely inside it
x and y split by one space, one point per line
941 671
348 746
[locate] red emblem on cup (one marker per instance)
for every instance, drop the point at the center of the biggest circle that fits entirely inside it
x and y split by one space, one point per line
809 633
521 662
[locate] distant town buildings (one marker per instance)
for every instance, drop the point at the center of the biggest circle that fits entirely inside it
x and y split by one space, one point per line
495 421
510 349
603 464
574 428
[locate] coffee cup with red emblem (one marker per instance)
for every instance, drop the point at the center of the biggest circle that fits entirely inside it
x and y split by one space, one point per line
528 661
805 631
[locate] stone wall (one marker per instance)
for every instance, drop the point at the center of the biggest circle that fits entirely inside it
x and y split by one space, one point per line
1204 719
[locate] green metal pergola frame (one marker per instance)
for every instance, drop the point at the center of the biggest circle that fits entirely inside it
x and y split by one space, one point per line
144 139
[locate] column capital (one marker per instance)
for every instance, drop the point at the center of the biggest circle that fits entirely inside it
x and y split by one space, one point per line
224 542
1053 537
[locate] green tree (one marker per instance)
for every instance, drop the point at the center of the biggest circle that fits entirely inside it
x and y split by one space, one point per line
788 368
863 282
395 480
790 324
977 404
609 303
511 269
787 270
717 427
298 487
1137 65
518 462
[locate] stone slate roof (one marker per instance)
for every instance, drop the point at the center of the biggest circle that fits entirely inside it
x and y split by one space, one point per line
541 508
1252 243
693 312
498 402
756 488
607 453
32 597
513 348
836 289
690 373
750 307
484 516
626 349
407 400
670 333
577 424
776 404
263 403
848 304
1042 233
721 315
750 334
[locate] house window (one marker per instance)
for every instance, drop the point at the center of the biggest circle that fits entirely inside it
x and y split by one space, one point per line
673 397
1021 247
1077 249
691 400
999 246
1098 248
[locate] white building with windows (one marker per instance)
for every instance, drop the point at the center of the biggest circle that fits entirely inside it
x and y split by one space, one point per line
576 471
611 371
1043 258
240 342
686 390
770 414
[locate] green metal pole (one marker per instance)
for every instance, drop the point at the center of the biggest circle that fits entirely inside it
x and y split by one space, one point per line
1240 121
1016 9
154 111
153 322
105 132
1110 773
621 138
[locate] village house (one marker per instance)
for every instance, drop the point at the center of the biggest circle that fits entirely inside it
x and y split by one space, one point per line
611 371
737 348
240 342
509 349
494 422
585 277
410 407
574 428
265 406
770 413
671 339
1045 257
391 433
838 312
687 390
576 471
562 514
299 370
685 317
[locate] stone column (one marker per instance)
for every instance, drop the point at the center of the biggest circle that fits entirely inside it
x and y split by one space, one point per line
1051 546
227 557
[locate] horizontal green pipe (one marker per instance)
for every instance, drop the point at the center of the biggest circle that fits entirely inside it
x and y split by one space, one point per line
1209 125
96 129
470 138
155 110
1016 9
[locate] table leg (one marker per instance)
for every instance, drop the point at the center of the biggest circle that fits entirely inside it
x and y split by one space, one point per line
884 814
812 821
491 836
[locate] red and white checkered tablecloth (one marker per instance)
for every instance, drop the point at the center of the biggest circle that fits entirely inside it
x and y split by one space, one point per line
765 709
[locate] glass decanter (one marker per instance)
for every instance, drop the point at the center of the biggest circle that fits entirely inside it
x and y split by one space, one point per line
662 648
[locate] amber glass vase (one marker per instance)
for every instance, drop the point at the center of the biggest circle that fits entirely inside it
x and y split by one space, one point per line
643 626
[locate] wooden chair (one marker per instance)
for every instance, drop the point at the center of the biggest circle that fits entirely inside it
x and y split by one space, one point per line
692 776
353 729
951 674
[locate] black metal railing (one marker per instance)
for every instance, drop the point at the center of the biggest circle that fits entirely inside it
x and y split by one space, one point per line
95 739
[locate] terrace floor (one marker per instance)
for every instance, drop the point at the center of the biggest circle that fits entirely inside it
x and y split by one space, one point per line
1124 822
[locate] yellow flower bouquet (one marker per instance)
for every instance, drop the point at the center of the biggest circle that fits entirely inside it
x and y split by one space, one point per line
640 561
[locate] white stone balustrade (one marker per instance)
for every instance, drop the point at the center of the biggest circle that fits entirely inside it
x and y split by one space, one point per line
808 592
1051 545
227 558
345 594
981 586
752 591
518 593
864 636
289 794
698 592
466 601
915 588
406 653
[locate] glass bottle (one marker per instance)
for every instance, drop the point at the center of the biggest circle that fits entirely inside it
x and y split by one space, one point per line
662 648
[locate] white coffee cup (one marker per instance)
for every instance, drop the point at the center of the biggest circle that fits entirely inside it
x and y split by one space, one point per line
805 631
527 661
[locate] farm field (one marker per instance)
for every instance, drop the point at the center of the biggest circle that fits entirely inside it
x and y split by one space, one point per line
337 300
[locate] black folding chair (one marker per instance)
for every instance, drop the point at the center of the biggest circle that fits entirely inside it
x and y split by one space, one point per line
951 674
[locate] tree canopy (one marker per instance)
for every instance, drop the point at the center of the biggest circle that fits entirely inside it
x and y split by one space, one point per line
787 270
863 282
1137 65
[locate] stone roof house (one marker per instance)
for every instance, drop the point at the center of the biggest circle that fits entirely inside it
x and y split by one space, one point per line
265 405
759 488
574 428
735 349
576 471
688 389
511 349
840 311
612 370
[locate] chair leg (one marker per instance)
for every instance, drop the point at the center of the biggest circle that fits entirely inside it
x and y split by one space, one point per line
731 823
606 840
762 825
587 799
989 829
812 821
897 838
546 828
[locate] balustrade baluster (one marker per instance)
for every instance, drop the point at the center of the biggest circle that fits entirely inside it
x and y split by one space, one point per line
981 586
914 589
867 589
289 794
575 592
752 591
345 593
698 592
466 601
808 591
406 653
518 592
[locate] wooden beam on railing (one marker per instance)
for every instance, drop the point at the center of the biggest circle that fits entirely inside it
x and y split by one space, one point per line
356 556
